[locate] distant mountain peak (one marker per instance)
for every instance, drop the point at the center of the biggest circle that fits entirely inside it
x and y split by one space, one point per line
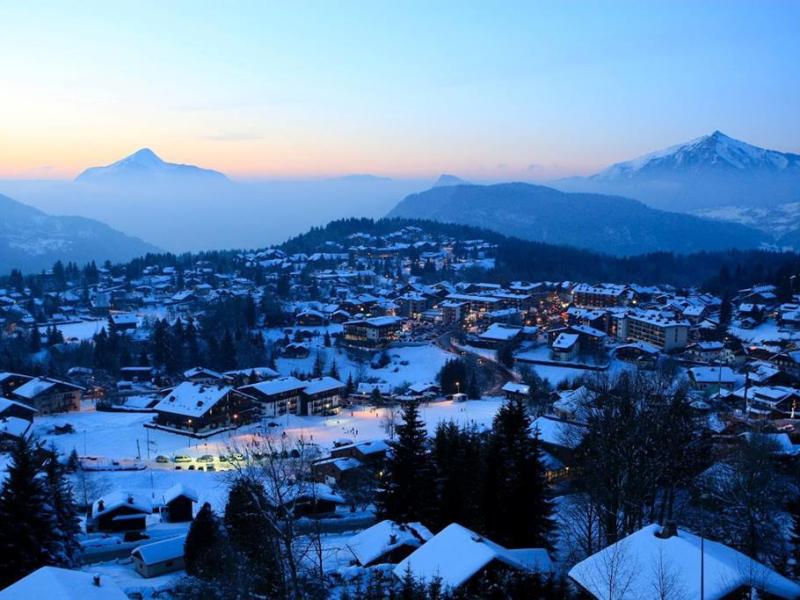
145 165
144 155
445 179
714 152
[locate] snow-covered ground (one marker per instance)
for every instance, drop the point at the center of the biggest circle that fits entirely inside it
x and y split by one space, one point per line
764 332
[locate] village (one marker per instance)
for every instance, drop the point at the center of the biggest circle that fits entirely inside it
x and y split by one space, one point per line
158 384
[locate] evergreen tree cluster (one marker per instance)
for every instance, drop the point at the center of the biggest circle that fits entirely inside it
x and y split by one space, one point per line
491 482
38 518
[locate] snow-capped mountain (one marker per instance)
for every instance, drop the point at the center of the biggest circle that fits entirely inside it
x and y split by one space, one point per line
709 152
145 166
32 240
708 172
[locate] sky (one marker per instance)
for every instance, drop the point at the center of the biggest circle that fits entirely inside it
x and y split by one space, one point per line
506 90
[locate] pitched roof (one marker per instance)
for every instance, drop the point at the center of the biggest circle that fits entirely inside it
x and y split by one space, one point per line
643 556
383 537
55 583
456 553
192 399
162 550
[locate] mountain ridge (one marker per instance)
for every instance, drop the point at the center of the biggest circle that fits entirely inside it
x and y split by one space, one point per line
32 240
611 224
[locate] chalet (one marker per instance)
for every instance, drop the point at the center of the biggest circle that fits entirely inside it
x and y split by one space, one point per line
334 471
727 572
386 542
118 511
159 558
305 499
202 375
641 354
457 556
373 333
498 334
559 438
705 351
774 401
55 583
195 407
16 409
710 379
251 375
310 318
372 452
514 390
122 321
573 405
296 350
49 395
178 504
322 396
565 347
11 381
589 338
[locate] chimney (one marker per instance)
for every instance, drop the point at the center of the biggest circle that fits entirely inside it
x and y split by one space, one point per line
96 580
392 538
100 505
669 529
130 499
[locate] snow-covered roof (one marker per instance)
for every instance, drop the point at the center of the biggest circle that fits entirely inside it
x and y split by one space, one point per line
116 499
179 490
456 553
192 399
276 386
516 388
641 560
55 583
558 433
15 427
201 371
156 552
565 341
322 384
500 332
38 386
374 542
713 374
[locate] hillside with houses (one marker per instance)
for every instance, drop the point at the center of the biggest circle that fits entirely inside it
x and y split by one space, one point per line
371 398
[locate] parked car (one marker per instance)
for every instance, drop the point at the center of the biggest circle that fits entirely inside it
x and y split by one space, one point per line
206 458
182 458
161 459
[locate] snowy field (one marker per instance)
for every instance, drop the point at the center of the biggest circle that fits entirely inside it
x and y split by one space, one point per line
765 332
123 436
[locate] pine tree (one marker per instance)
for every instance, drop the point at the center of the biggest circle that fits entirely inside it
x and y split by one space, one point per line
334 370
525 517
204 543
252 533
35 340
66 546
319 365
407 493
227 352
27 518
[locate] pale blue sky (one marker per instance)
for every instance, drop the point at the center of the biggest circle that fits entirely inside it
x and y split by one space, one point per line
486 90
